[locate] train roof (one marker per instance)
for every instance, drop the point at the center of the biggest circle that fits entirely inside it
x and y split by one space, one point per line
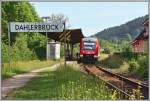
90 39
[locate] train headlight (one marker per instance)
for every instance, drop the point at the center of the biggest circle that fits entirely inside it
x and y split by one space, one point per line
81 55
95 56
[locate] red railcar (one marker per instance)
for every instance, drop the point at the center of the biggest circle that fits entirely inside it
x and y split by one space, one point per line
89 50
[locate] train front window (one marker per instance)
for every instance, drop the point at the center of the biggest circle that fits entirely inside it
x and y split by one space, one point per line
89 45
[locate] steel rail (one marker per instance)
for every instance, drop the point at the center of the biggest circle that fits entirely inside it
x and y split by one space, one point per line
144 88
126 95
123 78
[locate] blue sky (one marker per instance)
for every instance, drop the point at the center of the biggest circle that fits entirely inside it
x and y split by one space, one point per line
93 17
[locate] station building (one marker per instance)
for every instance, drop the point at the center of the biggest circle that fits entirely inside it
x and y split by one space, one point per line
140 43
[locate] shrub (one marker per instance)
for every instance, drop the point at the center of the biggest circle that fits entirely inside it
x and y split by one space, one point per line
107 50
133 66
4 52
113 61
143 69
127 53
139 66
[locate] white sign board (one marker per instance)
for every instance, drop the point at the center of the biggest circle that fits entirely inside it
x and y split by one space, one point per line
37 26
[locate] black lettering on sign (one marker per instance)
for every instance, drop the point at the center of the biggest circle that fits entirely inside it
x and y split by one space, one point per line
21 27
39 27
53 27
36 27
32 27
43 27
56 27
47 27
25 27
16 27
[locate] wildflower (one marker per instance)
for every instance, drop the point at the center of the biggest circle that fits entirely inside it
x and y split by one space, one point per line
114 95
132 97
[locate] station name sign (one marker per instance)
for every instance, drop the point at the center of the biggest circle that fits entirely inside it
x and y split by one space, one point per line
37 26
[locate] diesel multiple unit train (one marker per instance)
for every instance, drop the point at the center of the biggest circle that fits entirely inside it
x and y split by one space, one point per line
89 50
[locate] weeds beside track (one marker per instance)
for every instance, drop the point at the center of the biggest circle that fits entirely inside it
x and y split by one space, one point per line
127 89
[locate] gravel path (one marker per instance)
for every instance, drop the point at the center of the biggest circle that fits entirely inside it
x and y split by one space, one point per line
20 80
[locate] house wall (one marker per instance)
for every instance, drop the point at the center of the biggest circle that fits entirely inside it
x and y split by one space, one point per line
141 45
146 40
138 47
146 46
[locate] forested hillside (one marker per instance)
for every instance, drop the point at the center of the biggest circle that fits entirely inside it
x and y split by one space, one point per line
24 46
117 33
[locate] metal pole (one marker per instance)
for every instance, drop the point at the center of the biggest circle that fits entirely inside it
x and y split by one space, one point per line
9 47
46 47
72 51
65 46
65 50
46 20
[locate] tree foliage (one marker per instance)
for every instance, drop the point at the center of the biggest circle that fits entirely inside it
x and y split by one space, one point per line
108 45
117 33
24 46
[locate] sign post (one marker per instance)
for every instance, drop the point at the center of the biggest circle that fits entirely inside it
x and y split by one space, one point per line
46 46
65 45
65 50
8 53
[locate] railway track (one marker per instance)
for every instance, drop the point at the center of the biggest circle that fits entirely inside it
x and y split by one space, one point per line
120 83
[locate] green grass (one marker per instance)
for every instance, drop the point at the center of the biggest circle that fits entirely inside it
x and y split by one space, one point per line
112 61
103 56
65 83
23 66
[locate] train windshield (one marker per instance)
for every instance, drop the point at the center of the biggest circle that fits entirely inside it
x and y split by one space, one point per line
89 45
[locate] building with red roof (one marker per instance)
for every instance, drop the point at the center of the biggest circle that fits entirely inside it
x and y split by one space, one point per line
140 43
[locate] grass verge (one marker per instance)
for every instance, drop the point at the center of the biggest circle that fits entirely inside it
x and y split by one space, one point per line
66 84
114 62
23 66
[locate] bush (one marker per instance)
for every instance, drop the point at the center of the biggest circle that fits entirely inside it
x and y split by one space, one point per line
143 69
139 66
4 52
107 50
113 61
127 53
22 50
133 66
